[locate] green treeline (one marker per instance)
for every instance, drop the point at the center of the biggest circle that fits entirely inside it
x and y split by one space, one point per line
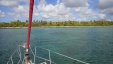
18 23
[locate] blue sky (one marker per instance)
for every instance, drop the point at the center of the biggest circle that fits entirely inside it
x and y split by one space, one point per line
57 10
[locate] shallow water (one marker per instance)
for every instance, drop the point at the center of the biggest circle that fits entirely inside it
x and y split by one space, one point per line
90 44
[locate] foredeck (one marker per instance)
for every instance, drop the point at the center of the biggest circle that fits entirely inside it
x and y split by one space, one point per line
40 55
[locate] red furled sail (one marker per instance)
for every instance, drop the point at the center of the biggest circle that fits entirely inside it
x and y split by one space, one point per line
29 23
27 58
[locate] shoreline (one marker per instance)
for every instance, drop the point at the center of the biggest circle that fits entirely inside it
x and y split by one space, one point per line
52 27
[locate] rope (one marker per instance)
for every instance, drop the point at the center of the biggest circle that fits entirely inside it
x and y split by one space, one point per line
49 56
34 55
11 56
66 56
72 58
19 53
31 51
23 60
12 60
18 50
45 59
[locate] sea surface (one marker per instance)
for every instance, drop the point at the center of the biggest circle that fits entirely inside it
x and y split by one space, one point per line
89 44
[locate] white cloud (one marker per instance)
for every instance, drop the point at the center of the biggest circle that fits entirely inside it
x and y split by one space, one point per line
75 3
17 7
12 3
8 3
106 7
62 10
2 14
103 4
108 11
22 11
58 11
88 14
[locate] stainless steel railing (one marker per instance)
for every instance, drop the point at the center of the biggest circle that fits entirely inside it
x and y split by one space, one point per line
20 57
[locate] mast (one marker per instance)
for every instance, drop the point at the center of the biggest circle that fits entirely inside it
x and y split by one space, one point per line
27 58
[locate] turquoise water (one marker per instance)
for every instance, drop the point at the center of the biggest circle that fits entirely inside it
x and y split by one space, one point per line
90 44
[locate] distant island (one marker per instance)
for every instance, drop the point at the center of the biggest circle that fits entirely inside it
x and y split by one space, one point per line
36 23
